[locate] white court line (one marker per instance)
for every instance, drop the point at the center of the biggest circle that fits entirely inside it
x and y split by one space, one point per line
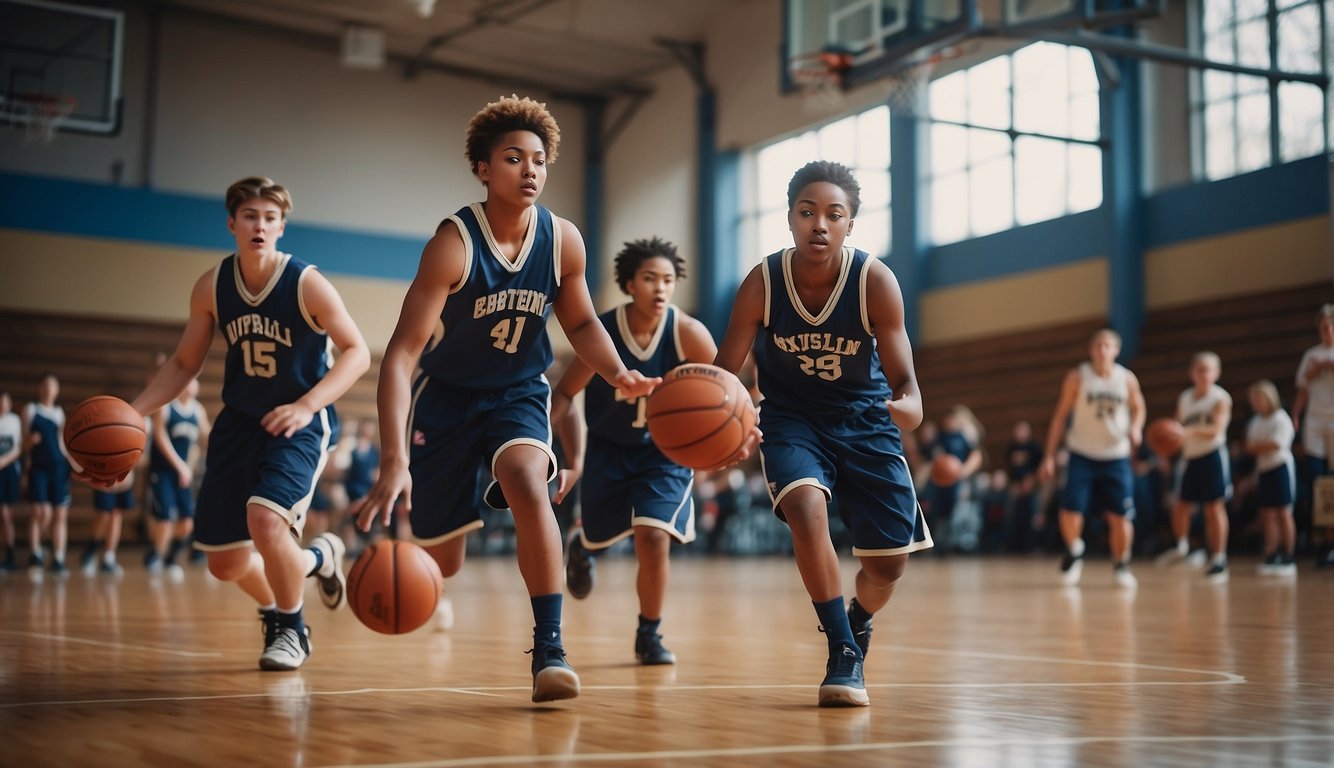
118 646
1228 676
257 695
799 749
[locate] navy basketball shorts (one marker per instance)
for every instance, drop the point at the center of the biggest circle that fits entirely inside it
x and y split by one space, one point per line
10 480
107 502
858 460
453 430
356 491
628 485
49 485
1099 485
1205 478
246 465
170 500
1276 486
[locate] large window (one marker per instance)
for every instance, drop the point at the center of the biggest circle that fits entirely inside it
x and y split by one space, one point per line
859 141
1249 122
1014 141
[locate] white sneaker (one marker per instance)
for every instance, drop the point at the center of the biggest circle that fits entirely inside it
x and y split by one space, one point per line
1197 558
1072 568
287 650
444 615
333 588
1123 578
175 573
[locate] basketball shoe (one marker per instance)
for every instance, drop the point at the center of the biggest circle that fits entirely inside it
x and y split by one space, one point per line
284 648
1122 577
553 677
329 576
579 575
1072 567
861 630
843 684
650 651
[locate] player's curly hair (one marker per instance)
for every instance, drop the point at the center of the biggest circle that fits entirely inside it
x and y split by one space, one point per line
253 187
510 113
636 252
824 170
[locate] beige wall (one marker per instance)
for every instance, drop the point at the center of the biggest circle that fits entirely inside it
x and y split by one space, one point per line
1261 259
1024 302
84 276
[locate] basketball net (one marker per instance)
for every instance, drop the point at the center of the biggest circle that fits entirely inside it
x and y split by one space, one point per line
904 89
818 78
42 115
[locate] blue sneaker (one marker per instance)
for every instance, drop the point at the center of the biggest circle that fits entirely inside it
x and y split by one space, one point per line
579 576
843 684
553 677
861 630
650 651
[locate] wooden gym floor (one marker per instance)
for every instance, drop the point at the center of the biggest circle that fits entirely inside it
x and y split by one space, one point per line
976 662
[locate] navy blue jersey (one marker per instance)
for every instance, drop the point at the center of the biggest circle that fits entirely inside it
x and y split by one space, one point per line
275 352
609 415
182 432
360 474
824 364
46 421
492 333
955 444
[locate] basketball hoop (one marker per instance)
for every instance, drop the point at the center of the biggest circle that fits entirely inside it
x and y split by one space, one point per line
42 115
818 79
905 86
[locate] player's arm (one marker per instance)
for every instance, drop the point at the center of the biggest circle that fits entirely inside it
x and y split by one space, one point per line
326 308
205 427
569 425
574 310
747 315
696 342
884 306
1056 428
440 270
1138 410
188 359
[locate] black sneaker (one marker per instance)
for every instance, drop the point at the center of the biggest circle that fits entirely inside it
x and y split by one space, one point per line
1071 569
579 576
1217 573
553 677
861 632
843 684
649 650
1269 566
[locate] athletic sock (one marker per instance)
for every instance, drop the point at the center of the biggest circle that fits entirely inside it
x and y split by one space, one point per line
857 614
546 618
834 620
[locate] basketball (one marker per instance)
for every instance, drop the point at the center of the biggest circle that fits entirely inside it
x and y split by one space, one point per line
1165 437
104 437
393 587
700 416
945 470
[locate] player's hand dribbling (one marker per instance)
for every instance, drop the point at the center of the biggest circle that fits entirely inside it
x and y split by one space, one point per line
394 481
747 448
632 384
100 483
285 420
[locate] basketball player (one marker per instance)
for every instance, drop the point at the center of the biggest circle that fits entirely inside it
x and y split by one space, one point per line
179 430
1269 438
835 368
503 265
1204 475
48 475
359 476
1313 408
110 506
11 445
1104 406
279 317
960 433
630 488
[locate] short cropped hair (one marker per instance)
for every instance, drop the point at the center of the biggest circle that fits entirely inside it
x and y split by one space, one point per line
253 187
1108 333
1266 389
510 113
1211 358
824 170
1326 312
636 252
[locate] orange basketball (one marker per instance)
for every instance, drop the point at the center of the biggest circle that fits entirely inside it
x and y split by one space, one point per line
393 587
104 437
700 416
945 470
1165 437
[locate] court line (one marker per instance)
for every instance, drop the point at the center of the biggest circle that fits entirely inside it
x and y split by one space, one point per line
255 695
1228 676
120 646
798 749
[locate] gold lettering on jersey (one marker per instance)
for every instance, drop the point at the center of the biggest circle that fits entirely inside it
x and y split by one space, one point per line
518 299
818 342
258 325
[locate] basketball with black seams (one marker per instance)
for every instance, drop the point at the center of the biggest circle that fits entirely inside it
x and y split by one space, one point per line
1165 437
104 437
700 416
394 587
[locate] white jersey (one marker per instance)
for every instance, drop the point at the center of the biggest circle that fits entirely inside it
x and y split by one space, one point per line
1196 414
1100 420
11 432
1320 389
1274 428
